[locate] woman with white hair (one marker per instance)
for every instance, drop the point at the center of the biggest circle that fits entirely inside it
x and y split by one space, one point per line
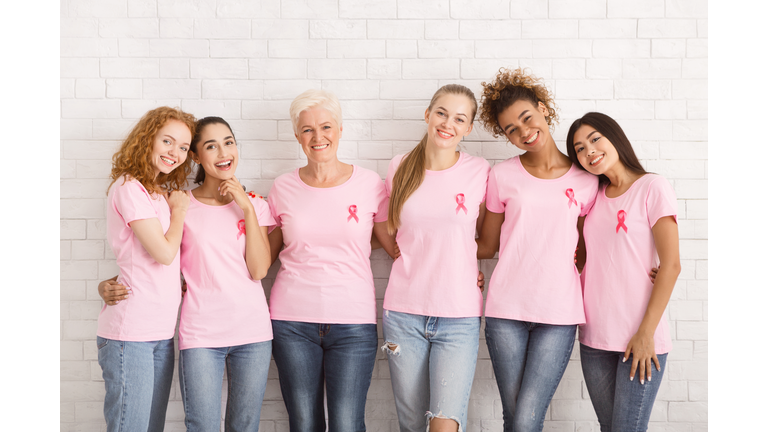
323 303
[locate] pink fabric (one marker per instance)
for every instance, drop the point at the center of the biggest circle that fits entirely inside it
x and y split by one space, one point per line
223 306
535 278
616 283
149 313
325 273
436 273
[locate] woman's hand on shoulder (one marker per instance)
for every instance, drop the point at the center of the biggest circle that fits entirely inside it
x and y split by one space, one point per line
178 200
232 186
643 351
112 292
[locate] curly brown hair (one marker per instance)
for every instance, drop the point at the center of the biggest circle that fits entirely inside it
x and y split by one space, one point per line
134 156
508 87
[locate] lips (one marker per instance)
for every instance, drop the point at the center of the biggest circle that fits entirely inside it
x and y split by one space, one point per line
224 165
444 135
167 161
533 139
320 147
596 160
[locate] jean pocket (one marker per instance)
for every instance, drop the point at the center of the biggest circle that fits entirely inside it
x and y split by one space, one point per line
101 342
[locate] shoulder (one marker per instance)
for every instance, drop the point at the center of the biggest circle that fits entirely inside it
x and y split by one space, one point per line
396 160
364 175
505 167
655 182
126 184
585 177
476 161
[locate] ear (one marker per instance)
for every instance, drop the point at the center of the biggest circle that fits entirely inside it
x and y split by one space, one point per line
341 129
469 129
426 115
543 109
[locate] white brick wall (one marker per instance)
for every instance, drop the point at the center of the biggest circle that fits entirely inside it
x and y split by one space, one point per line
643 62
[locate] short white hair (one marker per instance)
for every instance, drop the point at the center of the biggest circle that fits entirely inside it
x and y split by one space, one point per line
315 98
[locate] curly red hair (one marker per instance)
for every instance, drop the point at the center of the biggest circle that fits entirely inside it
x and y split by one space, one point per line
134 156
508 87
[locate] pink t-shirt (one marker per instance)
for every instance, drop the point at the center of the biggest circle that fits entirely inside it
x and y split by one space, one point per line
436 273
325 274
223 306
620 253
149 314
535 279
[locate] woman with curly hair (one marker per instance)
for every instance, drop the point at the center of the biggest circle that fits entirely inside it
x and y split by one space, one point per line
145 218
634 219
536 205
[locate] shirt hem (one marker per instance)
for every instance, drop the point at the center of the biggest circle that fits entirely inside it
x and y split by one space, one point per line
224 345
664 350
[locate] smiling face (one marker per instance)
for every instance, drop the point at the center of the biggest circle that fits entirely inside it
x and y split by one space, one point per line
170 147
449 120
593 150
525 125
217 151
319 134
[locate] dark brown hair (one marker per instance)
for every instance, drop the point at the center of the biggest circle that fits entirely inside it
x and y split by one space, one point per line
611 131
201 124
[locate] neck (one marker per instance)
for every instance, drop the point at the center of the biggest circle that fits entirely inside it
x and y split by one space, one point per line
322 171
210 190
548 157
620 177
438 159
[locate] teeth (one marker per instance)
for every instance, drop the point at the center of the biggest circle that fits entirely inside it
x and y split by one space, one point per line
320 147
221 164
168 161
444 134
533 138
597 159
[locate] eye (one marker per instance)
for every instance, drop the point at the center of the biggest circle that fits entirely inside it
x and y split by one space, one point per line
229 142
460 120
184 149
594 140
306 130
167 142
326 127
578 149
527 118
441 114
210 147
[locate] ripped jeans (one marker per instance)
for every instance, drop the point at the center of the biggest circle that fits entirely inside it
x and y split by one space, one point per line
431 364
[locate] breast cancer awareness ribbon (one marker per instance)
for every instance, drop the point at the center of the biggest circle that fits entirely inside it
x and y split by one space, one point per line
571 199
621 215
353 213
460 202
240 228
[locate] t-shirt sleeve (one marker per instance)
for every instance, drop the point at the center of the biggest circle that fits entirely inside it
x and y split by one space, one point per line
382 214
272 200
492 200
263 212
133 202
661 201
594 188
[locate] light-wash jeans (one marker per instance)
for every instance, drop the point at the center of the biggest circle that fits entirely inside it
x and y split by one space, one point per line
431 365
137 377
200 375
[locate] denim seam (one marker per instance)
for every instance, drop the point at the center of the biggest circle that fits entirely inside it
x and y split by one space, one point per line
124 392
642 405
228 416
183 390
563 366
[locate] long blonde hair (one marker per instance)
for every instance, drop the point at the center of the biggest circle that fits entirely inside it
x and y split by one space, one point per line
410 173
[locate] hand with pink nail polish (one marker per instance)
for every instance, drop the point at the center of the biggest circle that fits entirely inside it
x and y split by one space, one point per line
642 348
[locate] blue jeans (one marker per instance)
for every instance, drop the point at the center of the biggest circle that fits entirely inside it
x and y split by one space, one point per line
529 360
431 365
137 377
621 405
308 355
200 373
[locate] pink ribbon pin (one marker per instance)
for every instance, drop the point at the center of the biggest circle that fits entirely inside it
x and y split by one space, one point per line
240 228
353 213
571 199
460 202
621 215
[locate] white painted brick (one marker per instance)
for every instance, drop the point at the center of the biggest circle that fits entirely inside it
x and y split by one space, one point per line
83 188
646 130
130 68
168 88
504 49
97 8
430 69
689 130
87 250
314 9
565 48
581 9
79 67
572 410
362 49
335 69
265 150
573 109
241 9
668 48
273 110
686 8
97 230
569 69
434 9
219 68
337 29
67 169
607 28
643 89
698 391
67 88
442 29
621 48
697 290
401 49
206 28
73 108
689 89
666 28
445 49
604 68
697 109
94 169
368 9
178 48
671 109
357 130
634 9
498 29
484 69
490 9
232 89
548 29
277 68
697 209
177 28
129 28
400 29
286 89
367 109
312 49
528 9
142 8
688 411
123 88
226 109
88 47
255 129
72 229
90 88
280 29
695 68
133 47
78 27
627 109
685 311
186 8
652 68
584 89
174 68
397 129
411 110
702 30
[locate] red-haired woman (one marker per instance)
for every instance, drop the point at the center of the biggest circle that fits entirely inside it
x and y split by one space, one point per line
145 218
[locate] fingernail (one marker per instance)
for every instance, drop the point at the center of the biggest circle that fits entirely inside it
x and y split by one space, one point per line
631 378
624 359
641 381
649 379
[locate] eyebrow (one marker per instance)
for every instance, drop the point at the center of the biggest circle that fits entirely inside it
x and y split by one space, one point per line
461 114
518 117
214 140
590 134
321 124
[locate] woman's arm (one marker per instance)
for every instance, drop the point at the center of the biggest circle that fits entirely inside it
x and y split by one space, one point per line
641 345
163 247
257 253
112 292
488 242
275 243
386 239
581 248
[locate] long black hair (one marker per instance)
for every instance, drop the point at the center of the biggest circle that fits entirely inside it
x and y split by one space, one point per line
199 126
